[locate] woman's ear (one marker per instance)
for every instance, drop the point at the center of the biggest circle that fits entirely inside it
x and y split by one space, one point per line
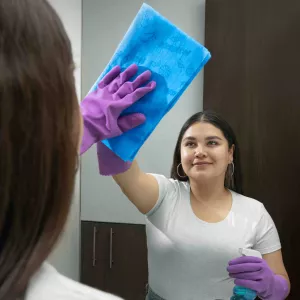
231 152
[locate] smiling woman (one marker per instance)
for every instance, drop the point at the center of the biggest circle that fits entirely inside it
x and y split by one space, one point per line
208 134
198 219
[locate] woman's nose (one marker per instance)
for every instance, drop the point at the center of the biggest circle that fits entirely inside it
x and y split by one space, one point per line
200 152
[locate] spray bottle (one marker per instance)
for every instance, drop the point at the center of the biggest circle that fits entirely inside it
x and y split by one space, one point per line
239 292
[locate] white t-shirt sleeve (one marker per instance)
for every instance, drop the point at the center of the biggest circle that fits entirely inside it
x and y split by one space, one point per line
169 193
267 238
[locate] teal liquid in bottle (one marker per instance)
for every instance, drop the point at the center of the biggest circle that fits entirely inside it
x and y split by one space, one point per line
242 293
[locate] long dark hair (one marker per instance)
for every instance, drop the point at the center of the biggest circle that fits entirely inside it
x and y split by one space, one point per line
232 182
38 144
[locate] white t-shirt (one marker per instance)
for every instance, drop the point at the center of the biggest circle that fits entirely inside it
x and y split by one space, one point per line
48 284
188 257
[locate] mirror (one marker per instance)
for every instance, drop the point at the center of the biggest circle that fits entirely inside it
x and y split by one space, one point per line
183 245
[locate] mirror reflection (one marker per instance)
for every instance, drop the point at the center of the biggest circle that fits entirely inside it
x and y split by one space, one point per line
149 150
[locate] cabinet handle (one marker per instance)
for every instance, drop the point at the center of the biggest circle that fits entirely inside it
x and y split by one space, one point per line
111 249
94 246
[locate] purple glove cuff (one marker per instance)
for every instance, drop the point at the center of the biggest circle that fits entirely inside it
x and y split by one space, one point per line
109 163
88 138
280 289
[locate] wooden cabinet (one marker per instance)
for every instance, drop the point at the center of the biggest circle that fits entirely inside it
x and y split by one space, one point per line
114 258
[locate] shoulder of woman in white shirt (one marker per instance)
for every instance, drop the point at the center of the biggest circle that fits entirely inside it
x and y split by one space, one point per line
48 284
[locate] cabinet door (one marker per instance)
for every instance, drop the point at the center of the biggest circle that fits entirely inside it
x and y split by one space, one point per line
114 258
128 269
94 253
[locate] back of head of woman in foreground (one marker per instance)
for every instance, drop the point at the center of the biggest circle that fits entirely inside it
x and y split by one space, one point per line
39 136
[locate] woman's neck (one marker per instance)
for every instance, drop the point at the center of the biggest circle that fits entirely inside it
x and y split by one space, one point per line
208 191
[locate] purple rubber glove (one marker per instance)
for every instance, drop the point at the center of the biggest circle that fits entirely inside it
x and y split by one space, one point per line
101 108
255 274
109 163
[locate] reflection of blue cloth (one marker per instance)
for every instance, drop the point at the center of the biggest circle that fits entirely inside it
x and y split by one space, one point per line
174 59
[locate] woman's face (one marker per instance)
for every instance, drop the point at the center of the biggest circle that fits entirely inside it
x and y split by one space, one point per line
205 152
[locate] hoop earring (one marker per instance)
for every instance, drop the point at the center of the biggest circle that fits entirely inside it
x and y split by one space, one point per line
178 172
232 169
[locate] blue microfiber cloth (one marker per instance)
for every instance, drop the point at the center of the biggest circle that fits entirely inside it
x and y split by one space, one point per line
174 59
